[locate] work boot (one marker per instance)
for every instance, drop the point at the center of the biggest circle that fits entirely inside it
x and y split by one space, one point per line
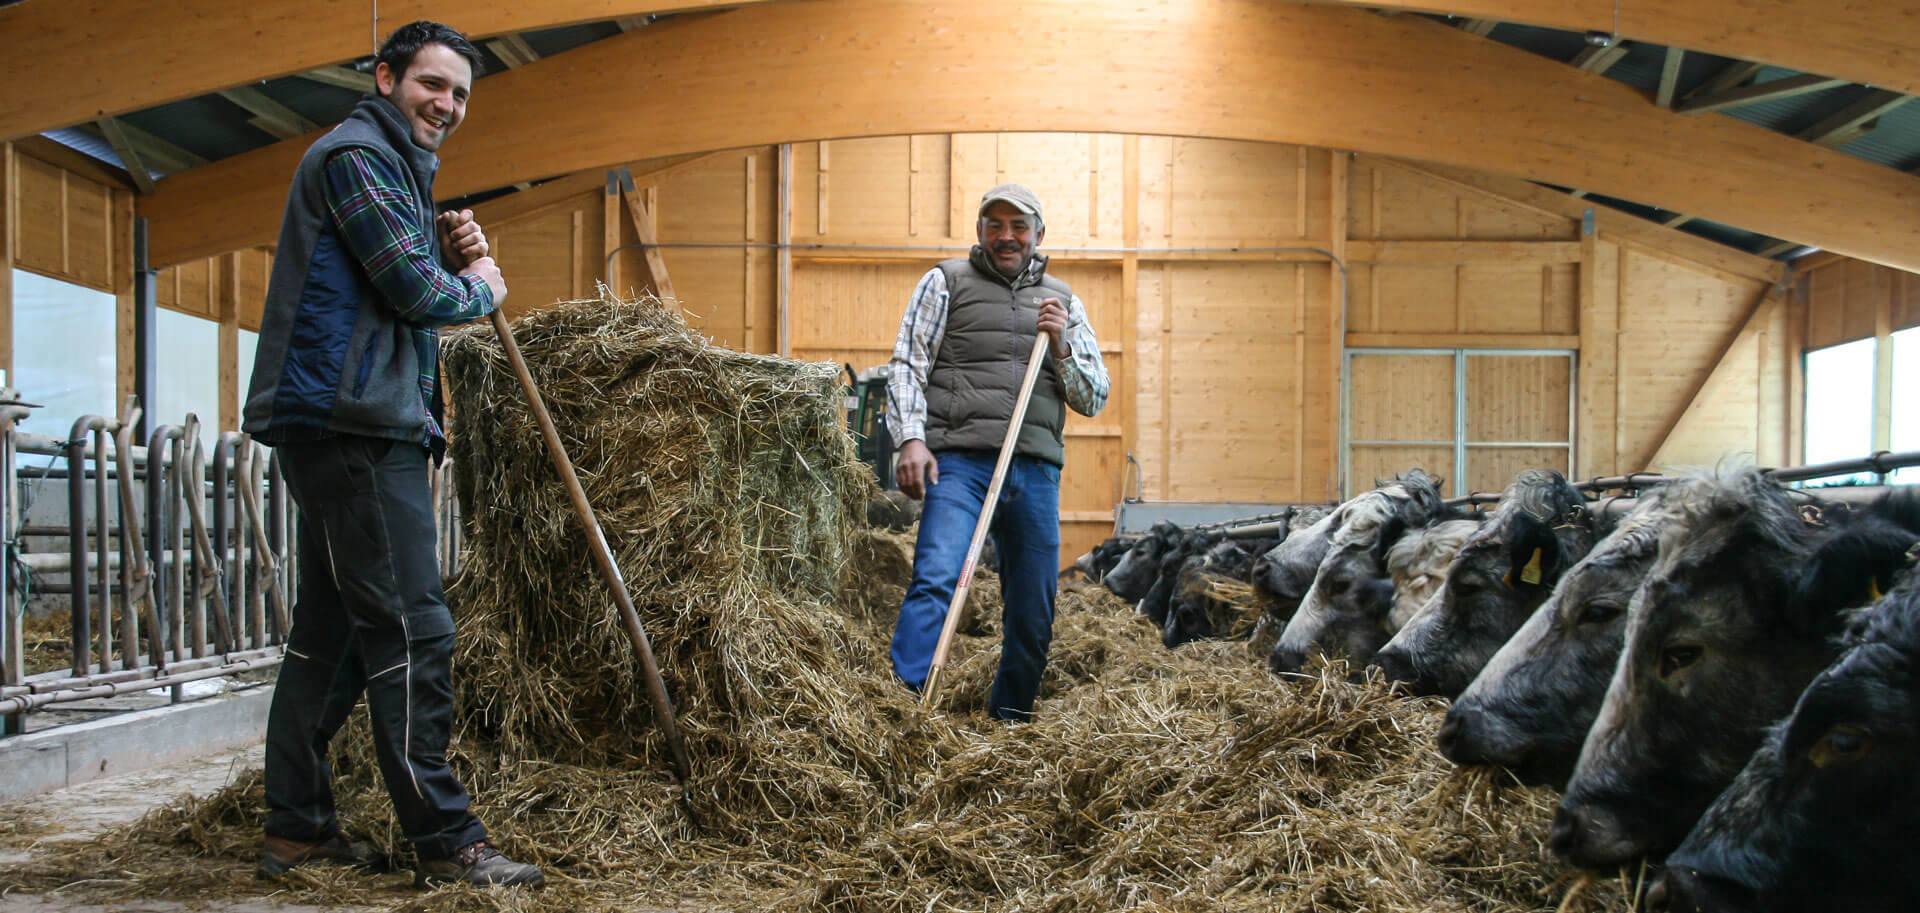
280 855
479 863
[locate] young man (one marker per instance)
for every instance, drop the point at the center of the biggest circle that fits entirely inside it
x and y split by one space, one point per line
346 384
956 370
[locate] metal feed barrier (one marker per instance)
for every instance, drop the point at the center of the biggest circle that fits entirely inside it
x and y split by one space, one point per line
179 563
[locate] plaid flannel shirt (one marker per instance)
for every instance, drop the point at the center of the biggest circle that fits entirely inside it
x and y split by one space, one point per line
1083 374
378 218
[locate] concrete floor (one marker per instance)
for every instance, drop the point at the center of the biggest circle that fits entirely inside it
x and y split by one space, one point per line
83 811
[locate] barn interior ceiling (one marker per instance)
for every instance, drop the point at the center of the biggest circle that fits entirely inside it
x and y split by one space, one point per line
1874 123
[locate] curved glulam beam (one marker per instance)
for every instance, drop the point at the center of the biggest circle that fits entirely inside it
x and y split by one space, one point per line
69 63
1233 69
1876 43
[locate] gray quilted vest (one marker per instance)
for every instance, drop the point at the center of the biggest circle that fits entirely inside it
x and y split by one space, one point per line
991 325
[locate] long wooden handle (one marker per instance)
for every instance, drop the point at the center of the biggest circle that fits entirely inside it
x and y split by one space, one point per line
602 557
961 589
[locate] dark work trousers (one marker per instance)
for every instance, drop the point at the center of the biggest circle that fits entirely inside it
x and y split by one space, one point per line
1026 532
369 616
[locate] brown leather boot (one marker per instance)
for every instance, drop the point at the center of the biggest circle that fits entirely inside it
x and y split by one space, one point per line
479 863
279 855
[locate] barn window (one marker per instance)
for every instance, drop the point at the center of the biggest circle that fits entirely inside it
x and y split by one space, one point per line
1476 417
1860 399
188 373
63 351
249 342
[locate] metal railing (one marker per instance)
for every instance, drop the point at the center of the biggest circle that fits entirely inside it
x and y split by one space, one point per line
177 561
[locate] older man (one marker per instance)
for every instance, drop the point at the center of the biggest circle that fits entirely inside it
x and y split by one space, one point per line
956 371
346 384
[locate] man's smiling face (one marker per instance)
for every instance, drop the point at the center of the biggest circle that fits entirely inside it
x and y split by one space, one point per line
432 93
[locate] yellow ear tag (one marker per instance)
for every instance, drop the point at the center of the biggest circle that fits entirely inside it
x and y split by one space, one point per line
1531 573
1873 589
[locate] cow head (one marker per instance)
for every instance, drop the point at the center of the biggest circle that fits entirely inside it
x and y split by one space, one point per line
1346 610
1136 570
1818 819
1495 581
1529 708
1733 619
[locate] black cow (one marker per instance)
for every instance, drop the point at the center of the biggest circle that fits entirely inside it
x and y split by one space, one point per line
1158 602
1821 817
1502 574
1095 564
1529 709
1135 572
1196 612
1737 614
1345 611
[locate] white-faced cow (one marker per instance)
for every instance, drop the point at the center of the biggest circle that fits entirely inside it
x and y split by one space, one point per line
1494 583
1739 611
1345 611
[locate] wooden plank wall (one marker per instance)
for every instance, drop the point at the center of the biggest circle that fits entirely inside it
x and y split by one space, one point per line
1683 357
1204 267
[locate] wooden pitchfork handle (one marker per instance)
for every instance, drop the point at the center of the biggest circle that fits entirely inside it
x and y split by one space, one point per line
609 571
965 584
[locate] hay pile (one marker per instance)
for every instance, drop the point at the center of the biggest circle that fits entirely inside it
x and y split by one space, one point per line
1152 779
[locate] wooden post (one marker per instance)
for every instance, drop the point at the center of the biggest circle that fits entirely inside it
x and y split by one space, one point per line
1129 376
226 272
610 235
783 305
9 242
119 244
1337 193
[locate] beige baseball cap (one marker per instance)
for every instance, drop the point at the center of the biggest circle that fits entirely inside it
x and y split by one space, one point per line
1015 195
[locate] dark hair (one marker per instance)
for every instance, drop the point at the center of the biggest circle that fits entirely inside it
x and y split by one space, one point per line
408 39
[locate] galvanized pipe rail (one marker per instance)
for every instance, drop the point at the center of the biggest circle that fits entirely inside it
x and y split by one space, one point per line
146 570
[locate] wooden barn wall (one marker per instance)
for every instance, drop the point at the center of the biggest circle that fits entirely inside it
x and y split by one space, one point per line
1683 358
1204 266
1850 299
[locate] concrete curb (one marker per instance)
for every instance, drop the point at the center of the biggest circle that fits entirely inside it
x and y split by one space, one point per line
67 755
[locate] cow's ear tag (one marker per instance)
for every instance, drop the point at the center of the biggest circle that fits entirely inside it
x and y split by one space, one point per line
1873 589
1531 573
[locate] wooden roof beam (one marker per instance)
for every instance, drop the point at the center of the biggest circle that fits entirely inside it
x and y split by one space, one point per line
513 50
1865 43
272 117
62 67
1848 124
1595 59
340 77
116 134
1669 78
1252 70
1791 86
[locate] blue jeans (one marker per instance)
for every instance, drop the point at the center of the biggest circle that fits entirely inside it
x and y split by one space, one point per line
1026 532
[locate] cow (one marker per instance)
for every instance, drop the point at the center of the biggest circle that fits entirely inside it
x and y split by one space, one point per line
1095 564
1135 572
1495 582
1196 612
1738 612
1345 610
1529 709
1282 575
1821 816
1417 564
1158 602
